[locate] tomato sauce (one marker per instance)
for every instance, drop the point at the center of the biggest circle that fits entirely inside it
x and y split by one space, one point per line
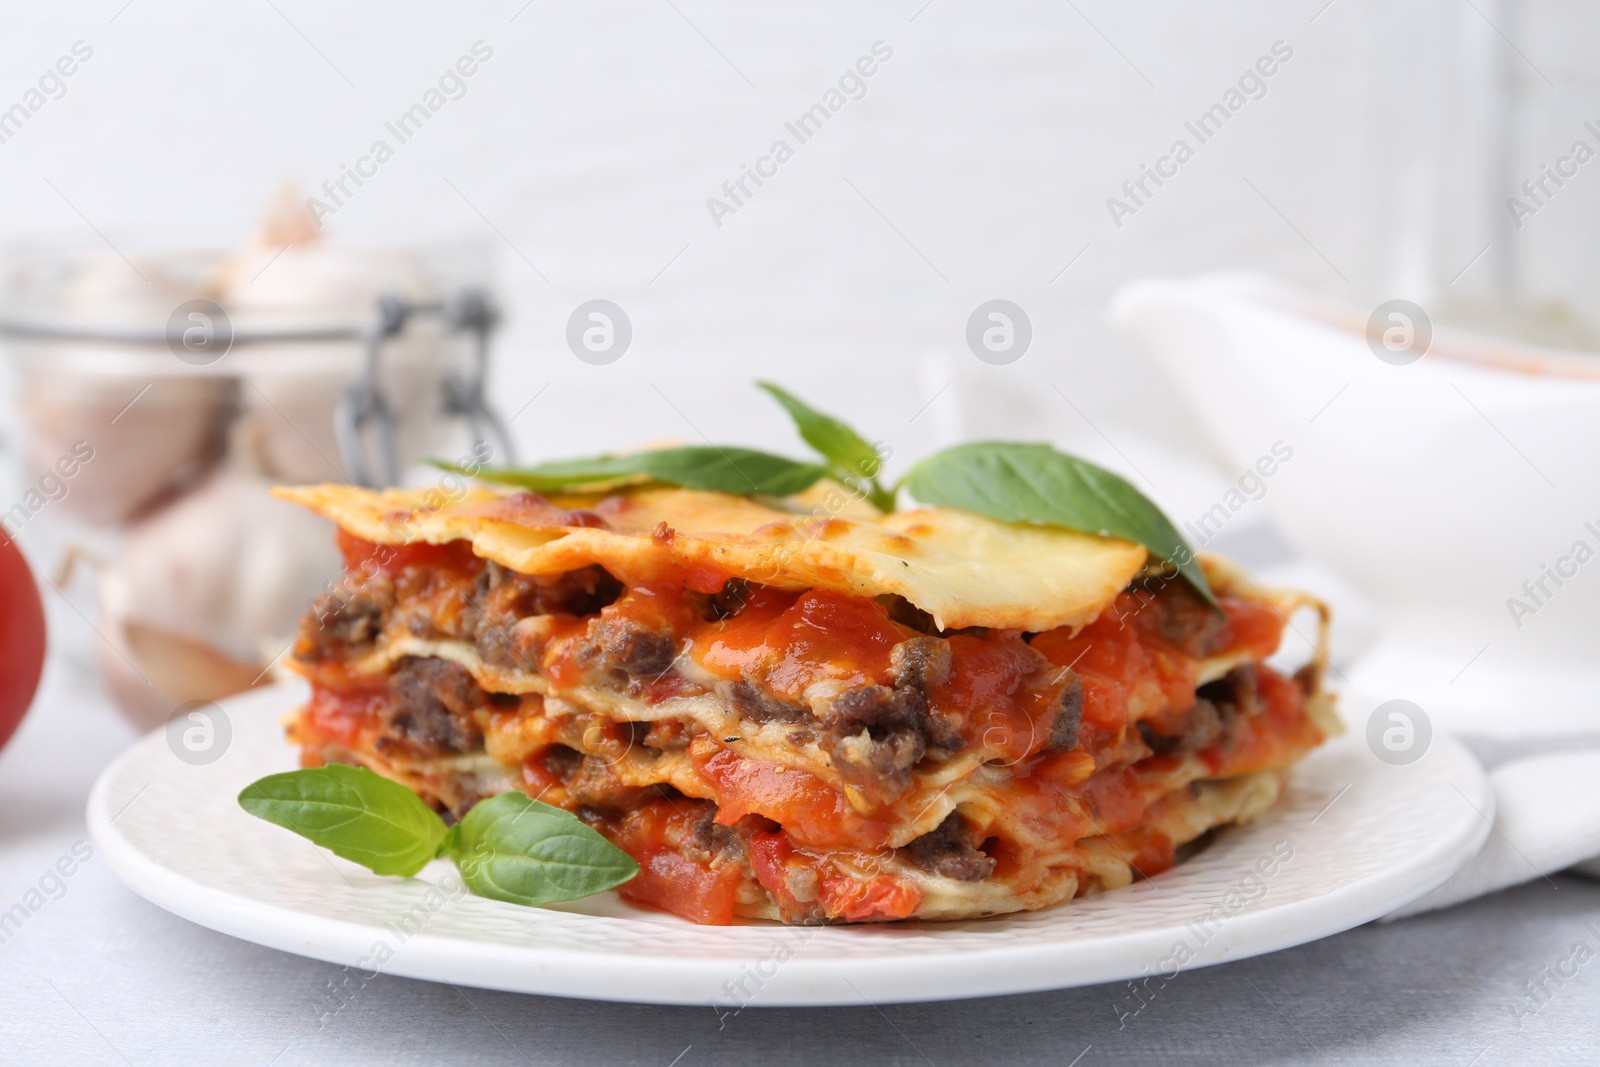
986 691
560 667
1105 803
537 778
814 812
1130 670
1113 802
365 557
668 879
1281 728
1149 851
346 716
670 687
791 640
879 897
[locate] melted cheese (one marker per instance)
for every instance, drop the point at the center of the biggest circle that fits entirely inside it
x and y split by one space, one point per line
963 569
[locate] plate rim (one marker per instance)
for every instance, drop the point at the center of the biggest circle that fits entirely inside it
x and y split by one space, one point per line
589 974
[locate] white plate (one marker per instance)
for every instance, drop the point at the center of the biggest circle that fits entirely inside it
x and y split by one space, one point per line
1365 838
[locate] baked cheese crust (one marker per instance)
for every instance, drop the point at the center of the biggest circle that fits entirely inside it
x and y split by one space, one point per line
963 569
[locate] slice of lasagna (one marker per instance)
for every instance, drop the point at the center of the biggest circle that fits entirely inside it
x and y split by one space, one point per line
785 713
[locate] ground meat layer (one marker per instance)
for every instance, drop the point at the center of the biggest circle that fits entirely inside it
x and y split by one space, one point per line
877 737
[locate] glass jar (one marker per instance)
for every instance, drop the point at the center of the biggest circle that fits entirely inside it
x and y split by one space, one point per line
161 396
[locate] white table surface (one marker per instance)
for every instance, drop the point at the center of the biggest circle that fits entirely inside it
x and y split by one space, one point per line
100 976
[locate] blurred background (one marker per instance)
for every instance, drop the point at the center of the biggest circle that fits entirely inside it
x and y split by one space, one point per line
977 165
293 163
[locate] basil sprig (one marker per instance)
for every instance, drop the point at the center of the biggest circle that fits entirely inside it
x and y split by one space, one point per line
520 850
353 813
741 471
852 458
1036 484
508 847
1009 481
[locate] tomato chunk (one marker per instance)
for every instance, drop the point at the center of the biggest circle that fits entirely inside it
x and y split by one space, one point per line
841 896
668 879
349 717
812 811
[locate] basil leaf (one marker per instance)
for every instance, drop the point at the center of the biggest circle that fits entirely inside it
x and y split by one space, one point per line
526 852
723 470
852 455
1035 483
353 813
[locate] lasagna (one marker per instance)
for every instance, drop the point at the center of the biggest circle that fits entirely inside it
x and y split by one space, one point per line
801 713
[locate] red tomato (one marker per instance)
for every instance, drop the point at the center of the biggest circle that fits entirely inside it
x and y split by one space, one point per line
21 637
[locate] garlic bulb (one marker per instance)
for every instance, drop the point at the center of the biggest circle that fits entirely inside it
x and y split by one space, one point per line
207 591
152 433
